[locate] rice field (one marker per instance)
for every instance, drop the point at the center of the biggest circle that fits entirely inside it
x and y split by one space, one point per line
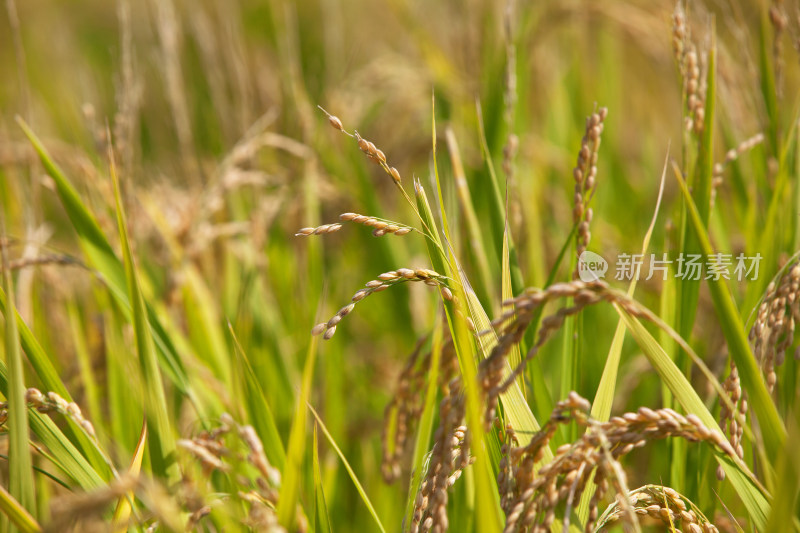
398 265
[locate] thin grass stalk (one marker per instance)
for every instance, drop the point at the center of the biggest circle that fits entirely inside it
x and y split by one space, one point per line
107 265
604 397
295 449
487 513
322 519
258 408
20 464
773 430
421 444
18 516
753 496
51 380
701 194
126 504
349 469
162 440
471 219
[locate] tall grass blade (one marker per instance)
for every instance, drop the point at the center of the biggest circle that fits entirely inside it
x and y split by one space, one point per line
515 407
88 377
102 258
514 403
701 194
772 428
65 455
471 218
349 469
205 326
161 440
258 409
604 397
19 516
769 235
20 465
766 73
507 292
787 466
497 210
700 172
464 345
295 450
425 428
122 513
486 509
754 499
94 243
46 372
124 395
321 517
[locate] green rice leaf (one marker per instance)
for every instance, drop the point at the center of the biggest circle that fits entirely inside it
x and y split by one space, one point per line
754 499
349 469
321 516
20 465
497 207
604 397
486 509
44 370
295 451
515 355
514 404
17 514
772 429
259 410
161 441
106 264
769 91
787 467
88 377
122 513
470 217
689 289
425 428
65 455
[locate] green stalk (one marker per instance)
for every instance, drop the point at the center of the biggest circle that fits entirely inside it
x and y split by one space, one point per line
161 441
20 465
772 428
19 516
295 450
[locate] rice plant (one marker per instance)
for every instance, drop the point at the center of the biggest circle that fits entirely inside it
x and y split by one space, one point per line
399 266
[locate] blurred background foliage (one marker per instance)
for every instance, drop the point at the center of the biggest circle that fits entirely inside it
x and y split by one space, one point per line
223 155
